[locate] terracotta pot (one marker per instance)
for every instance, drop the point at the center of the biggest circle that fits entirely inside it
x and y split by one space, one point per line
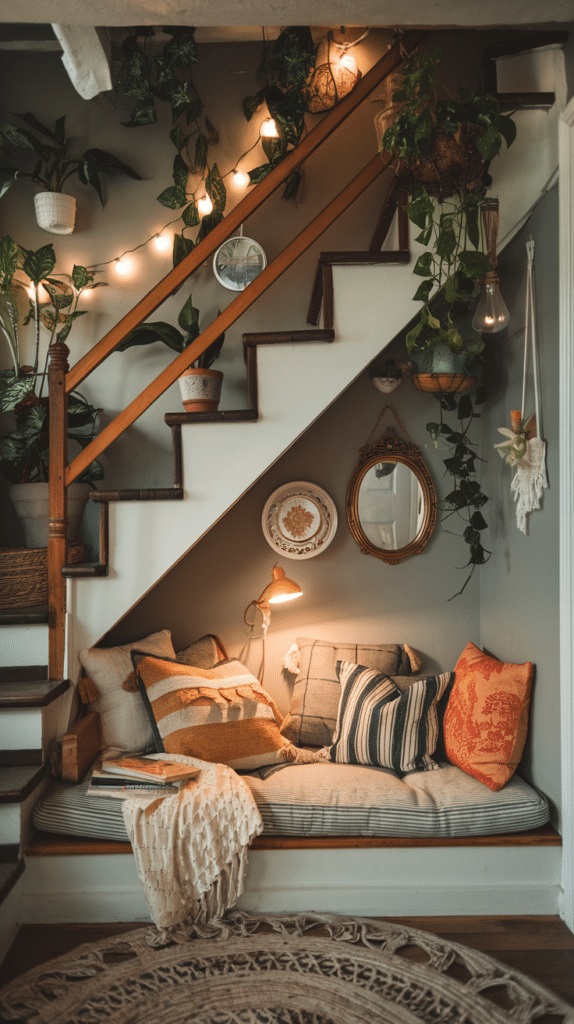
55 212
200 389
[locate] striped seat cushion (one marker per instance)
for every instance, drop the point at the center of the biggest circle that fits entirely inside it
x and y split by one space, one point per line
222 714
385 727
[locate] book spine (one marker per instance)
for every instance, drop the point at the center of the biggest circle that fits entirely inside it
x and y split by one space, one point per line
126 785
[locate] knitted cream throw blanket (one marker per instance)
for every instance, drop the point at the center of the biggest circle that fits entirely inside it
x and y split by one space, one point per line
191 847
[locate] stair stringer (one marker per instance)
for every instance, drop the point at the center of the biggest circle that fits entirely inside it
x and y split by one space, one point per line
296 384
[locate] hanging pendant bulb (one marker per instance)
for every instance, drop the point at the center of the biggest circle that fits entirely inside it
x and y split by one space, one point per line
491 314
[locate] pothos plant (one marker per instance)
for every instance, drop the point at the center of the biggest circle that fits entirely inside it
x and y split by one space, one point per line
467 498
167 78
24 450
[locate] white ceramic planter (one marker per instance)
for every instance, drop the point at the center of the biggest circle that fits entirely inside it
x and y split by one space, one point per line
32 505
200 389
385 384
55 212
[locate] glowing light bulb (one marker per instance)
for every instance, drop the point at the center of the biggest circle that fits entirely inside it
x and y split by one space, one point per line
240 179
123 266
491 314
348 62
204 206
43 294
268 129
162 242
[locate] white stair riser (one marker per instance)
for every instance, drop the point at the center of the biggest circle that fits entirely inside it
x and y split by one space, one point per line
16 819
24 645
21 729
384 882
10 824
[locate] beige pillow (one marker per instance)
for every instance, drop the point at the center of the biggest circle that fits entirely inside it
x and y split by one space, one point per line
111 690
221 714
202 653
312 717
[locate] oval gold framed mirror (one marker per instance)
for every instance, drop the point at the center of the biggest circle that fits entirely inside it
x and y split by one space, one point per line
391 500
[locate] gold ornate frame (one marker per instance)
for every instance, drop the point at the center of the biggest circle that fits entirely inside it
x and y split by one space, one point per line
391 449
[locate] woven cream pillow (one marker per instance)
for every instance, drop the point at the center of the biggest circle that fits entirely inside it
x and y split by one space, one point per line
222 715
312 715
111 690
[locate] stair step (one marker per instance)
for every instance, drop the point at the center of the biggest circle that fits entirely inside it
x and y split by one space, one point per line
30 693
37 613
13 673
18 781
9 875
221 416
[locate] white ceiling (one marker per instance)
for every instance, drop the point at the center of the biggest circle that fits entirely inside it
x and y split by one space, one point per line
438 13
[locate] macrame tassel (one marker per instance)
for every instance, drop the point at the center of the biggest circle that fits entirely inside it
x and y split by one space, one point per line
291 660
88 691
416 663
131 685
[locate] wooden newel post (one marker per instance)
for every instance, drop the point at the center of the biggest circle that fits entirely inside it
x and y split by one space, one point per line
58 526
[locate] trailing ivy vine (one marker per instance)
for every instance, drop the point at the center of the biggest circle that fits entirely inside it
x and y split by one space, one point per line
466 499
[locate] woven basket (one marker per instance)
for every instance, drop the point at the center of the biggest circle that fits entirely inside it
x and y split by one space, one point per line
24 574
447 383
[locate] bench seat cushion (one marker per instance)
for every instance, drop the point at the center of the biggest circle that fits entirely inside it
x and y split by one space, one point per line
336 800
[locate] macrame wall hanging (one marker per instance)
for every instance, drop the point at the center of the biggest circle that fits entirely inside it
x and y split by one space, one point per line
526 455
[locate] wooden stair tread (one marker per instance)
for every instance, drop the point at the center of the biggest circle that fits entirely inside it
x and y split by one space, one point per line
50 844
18 781
9 875
220 416
35 614
31 693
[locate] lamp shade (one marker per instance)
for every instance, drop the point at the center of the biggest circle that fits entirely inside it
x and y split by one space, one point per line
280 589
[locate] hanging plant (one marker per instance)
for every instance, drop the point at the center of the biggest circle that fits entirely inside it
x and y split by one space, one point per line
466 499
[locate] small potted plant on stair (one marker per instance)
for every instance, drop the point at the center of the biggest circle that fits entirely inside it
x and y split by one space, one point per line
55 210
200 386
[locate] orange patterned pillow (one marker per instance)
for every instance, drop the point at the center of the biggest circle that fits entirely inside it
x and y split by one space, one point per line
486 719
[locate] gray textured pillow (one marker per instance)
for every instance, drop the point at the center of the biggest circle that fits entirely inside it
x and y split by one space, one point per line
312 717
202 653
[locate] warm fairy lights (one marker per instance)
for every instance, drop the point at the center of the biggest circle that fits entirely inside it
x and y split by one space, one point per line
268 129
124 266
240 179
162 243
204 206
43 294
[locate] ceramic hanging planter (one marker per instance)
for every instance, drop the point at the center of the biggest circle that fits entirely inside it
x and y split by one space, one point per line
200 389
55 212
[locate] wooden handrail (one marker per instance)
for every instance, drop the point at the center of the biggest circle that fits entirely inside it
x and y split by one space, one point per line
154 298
227 317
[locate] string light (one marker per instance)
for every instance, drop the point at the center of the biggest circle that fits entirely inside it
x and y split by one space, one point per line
204 206
162 242
347 61
43 294
240 179
268 129
124 266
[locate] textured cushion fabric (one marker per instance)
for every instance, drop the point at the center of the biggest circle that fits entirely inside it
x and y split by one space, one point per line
353 800
333 800
385 727
222 715
123 720
202 653
486 720
313 712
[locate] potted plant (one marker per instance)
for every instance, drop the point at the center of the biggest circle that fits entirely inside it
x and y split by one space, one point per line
200 386
447 146
388 375
24 450
55 211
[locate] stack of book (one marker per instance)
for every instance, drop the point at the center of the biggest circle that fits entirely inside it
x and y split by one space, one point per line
137 776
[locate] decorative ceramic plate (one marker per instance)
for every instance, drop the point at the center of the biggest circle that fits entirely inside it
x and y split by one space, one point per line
299 520
238 262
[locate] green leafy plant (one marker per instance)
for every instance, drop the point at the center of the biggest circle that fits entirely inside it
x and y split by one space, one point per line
284 69
53 166
24 450
188 320
466 499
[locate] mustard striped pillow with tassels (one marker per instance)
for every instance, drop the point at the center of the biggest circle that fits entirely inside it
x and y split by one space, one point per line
222 715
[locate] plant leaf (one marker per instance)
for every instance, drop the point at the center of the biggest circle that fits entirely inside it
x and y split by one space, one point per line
173 197
216 189
212 132
39 264
147 334
190 216
181 247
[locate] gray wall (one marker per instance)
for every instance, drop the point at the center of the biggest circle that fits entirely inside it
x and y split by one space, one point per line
520 587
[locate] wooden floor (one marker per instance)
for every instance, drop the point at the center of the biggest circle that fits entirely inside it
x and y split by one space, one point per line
539 946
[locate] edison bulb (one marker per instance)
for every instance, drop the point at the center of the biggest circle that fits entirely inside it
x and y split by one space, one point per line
491 314
348 62
204 206
123 266
162 242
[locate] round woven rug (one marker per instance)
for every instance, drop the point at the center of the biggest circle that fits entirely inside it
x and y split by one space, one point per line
281 969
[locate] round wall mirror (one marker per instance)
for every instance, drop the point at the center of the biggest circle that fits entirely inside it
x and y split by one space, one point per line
391 500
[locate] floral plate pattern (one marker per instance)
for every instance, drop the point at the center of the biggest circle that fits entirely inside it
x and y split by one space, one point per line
299 520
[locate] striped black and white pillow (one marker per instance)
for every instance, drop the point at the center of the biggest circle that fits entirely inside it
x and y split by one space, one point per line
380 725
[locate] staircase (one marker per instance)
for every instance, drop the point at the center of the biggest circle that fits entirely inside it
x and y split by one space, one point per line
366 300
